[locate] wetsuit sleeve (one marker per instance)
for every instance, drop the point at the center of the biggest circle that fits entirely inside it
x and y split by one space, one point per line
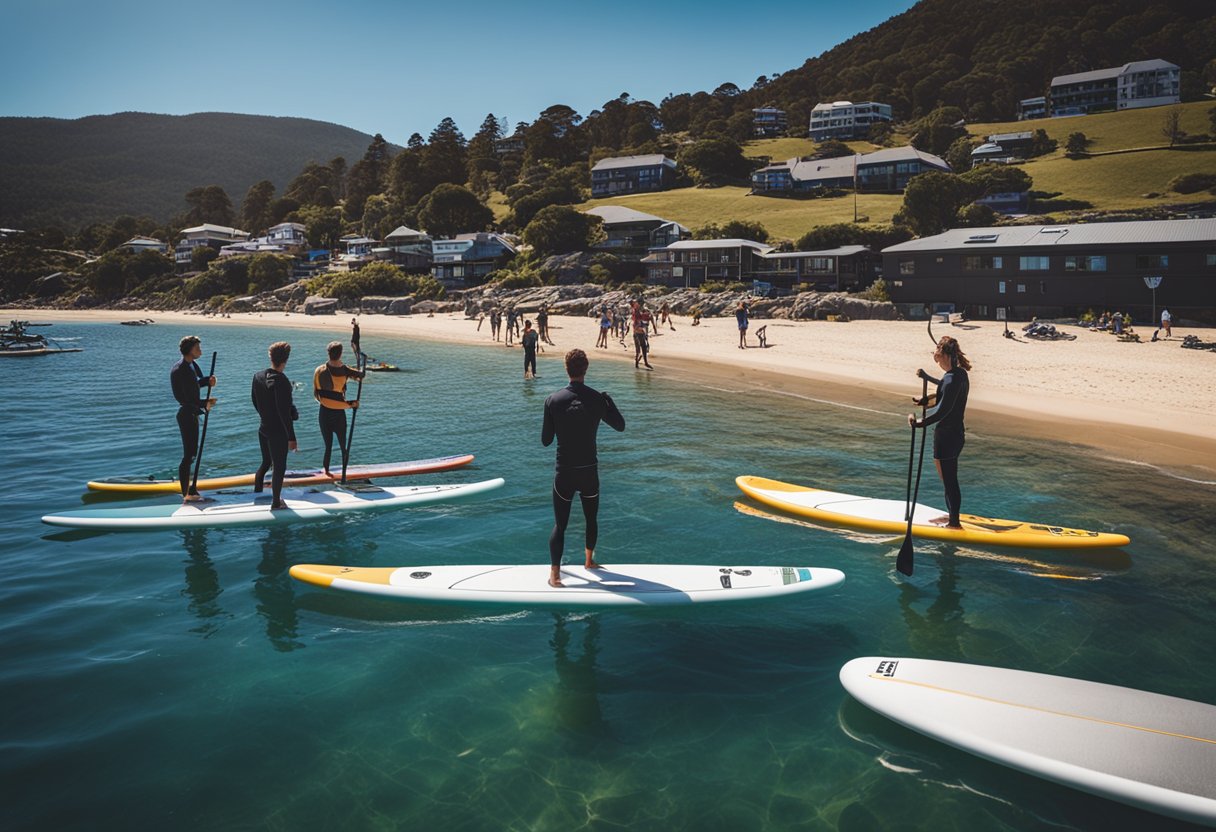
613 417
283 405
253 393
548 430
947 400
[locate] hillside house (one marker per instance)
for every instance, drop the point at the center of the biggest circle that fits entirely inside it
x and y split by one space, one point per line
768 122
846 120
1137 84
618 175
631 234
884 171
205 235
467 259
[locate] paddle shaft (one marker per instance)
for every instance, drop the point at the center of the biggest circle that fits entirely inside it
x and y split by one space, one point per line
198 460
904 562
350 436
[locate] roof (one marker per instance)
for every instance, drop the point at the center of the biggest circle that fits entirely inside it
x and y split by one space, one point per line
215 229
1088 234
901 154
728 243
990 147
842 251
1024 136
1086 77
142 241
298 226
841 167
617 214
404 231
646 161
1148 66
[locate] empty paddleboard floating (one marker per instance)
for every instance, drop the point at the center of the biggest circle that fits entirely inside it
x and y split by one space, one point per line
887 516
1148 750
309 476
617 585
248 509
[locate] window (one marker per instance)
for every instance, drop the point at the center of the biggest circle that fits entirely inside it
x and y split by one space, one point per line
1034 264
907 267
981 263
1085 264
1152 261
1000 287
1211 259
1021 288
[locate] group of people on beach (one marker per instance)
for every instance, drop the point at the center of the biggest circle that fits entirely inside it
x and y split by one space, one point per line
271 395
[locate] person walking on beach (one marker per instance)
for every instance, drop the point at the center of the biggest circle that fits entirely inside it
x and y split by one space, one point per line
354 339
1167 321
665 316
510 338
605 325
542 325
276 433
947 413
186 379
495 322
329 389
641 338
741 319
528 342
573 415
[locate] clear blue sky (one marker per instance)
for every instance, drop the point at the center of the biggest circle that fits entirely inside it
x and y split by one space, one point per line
399 67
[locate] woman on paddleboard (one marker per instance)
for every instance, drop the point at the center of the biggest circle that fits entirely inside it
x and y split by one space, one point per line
947 413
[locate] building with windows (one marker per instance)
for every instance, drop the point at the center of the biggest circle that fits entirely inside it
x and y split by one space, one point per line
137 244
693 262
1137 84
768 122
886 170
632 175
1029 108
466 259
205 235
846 120
1059 270
1004 148
629 234
407 248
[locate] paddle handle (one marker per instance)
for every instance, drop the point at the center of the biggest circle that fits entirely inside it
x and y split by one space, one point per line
198 460
361 363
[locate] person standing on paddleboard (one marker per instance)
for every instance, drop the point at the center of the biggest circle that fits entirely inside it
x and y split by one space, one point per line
947 413
528 342
186 379
276 434
354 339
329 389
573 415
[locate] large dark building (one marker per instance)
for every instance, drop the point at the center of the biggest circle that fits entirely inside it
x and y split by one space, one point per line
632 175
693 262
1059 270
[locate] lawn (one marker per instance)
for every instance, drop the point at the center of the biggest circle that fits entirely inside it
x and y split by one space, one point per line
1110 131
1116 182
778 150
783 218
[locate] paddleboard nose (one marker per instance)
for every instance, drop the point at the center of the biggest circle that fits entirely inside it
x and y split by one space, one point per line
318 574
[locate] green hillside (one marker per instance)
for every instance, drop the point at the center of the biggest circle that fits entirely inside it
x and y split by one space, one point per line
1110 131
73 172
783 218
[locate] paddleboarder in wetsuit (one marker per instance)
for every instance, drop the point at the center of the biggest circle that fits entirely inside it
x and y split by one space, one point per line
329 389
276 434
573 415
186 379
528 342
354 339
947 413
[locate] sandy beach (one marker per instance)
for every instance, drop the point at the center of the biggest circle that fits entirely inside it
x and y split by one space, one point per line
1151 404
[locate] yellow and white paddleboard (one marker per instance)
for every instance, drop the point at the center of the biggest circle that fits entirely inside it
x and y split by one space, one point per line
887 516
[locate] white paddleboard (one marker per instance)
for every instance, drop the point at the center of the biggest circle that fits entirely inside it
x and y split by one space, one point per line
248 509
615 585
1148 750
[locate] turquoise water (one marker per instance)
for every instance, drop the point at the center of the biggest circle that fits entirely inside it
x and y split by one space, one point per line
184 681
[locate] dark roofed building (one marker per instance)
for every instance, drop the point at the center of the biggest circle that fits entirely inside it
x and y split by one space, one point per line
632 174
885 170
1060 270
630 234
693 262
1137 84
768 122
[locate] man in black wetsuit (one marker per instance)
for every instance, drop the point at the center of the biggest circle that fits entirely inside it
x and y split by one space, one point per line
354 339
573 415
329 389
276 434
947 413
186 379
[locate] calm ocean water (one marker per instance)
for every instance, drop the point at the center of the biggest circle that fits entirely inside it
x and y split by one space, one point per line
183 681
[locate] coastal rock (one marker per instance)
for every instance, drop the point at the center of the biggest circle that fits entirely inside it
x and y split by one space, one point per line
384 305
317 305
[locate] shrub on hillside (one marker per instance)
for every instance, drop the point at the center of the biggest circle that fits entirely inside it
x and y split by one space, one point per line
375 279
1192 183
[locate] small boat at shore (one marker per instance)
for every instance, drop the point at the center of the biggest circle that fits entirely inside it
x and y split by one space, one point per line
16 342
382 367
140 322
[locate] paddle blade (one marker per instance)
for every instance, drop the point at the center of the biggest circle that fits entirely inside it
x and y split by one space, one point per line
903 562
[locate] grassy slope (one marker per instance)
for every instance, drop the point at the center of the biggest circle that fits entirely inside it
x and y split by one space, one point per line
781 149
783 218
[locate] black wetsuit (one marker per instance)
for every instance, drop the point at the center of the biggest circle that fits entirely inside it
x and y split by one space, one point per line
573 414
186 379
950 434
272 400
529 344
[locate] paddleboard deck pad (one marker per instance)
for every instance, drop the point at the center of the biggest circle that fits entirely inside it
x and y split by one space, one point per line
308 476
1145 749
615 585
249 509
887 516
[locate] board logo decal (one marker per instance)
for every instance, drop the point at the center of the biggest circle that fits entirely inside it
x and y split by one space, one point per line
725 581
886 667
420 575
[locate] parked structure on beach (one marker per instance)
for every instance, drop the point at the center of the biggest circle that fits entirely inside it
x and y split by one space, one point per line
632 174
693 262
885 171
1137 84
631 234
846 120
1059 270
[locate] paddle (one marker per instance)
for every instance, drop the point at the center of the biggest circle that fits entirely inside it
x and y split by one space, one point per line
903 562
198 461
361 363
